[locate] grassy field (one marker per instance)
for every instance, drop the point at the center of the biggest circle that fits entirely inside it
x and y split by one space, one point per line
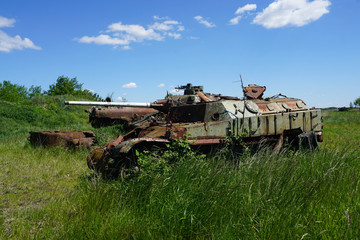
50 193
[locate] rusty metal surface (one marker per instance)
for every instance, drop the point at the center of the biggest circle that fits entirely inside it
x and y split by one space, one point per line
103 116
254 91
130 114
188 113
63 138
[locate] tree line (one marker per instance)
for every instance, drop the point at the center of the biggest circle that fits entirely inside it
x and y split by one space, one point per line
63 86
356 103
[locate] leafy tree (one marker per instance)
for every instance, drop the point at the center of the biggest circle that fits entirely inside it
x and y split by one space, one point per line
34 91
64 86
67 86
357 102
89 95
12 92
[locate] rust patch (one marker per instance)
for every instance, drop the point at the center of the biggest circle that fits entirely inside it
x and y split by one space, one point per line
203 97
63 138
106 116
126 113
253 91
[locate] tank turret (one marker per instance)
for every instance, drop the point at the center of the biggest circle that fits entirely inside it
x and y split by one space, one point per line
107 113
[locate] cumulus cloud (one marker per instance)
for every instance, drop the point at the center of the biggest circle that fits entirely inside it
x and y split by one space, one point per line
174 35
298 13
161 85
119 34
130 85
6 22
247 7
160 18
240 12
120 99
103 39
235 20
166 25
202 21
8 43
133 32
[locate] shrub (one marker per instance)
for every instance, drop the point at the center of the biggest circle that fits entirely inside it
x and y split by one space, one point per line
67 86
12 92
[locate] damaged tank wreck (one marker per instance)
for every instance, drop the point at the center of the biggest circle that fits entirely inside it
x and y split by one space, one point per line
126 116
207 119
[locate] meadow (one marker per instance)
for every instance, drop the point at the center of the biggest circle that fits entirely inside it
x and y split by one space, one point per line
49 193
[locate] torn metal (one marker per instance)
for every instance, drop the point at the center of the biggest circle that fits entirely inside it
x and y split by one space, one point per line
63 138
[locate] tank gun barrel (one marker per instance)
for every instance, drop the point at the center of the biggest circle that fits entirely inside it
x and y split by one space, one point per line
115 104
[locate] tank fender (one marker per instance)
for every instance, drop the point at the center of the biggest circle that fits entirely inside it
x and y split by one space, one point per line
126 146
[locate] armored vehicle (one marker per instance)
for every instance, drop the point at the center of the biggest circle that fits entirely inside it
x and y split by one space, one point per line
126 116
207 119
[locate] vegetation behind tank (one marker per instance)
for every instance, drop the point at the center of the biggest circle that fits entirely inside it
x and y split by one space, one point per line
50 193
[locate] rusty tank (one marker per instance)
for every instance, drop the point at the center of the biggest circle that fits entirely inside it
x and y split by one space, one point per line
63 138
207 119
103 114
126 116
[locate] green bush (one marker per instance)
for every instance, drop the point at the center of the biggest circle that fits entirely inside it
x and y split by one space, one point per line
67 86
357 102
12 92
18 112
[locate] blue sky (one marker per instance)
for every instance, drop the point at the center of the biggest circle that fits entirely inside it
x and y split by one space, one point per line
140 49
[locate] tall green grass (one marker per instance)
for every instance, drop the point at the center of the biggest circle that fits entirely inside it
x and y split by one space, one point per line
49 194
342 129
261 196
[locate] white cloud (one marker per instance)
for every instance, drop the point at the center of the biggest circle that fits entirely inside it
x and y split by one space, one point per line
8 43
161 85
247 7
6 22
298 13
161 26
201 20
174 35
134 32
193 38
130 85
120 99
240 12
160 18
181 28
235 20
166 26
104 40
119 34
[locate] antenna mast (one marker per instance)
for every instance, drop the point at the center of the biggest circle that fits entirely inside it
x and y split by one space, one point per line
243 118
